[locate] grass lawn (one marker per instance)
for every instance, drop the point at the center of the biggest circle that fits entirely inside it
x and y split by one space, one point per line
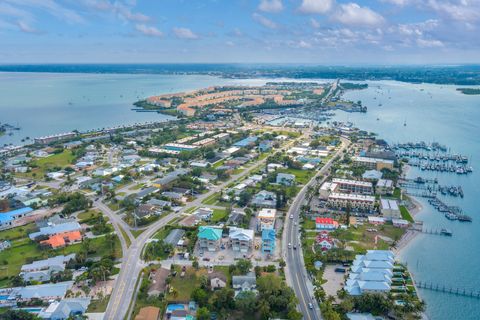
190 210
406 214
136 233
98 305
218 164
361 239
85 216
219 215
114 206
18 232
211 200
396 193
302 176
43 165
309 224
125 236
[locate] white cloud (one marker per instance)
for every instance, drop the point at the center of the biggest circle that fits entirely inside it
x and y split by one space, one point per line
122 11
270 5
148 30
463 10
185 33
429 43
316 6
353 14
230 43
52 7
267 23
25 27
314 23
399 3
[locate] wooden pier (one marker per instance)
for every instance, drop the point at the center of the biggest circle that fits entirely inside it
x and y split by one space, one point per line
447 289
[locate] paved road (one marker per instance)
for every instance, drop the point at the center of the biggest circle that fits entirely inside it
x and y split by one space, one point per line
132 264
296 274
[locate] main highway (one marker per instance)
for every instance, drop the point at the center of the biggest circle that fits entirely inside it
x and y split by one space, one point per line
295 271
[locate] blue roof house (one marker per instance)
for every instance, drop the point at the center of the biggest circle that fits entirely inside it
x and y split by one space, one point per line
268 240
209 238
7 219
247 142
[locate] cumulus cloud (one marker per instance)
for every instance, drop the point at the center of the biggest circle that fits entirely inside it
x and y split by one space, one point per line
149 30
122 11
353 14
185 33
267 23
270 5
429 43
316 6
464 10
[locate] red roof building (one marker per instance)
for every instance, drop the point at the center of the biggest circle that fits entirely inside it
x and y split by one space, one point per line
325 224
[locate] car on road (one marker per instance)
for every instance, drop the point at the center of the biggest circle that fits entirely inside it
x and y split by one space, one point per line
291 216
295 223
310 305
206 259
295 247
289 245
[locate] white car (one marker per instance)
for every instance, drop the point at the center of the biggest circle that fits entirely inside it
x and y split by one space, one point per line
295 223
310 305
291 216
289 245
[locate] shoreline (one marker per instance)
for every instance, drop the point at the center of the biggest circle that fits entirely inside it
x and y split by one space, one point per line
410 234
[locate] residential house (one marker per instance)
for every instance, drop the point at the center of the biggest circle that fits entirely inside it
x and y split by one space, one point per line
244 283
157 281
42 270
169 178
372 175
240 239
384 187
204 214
44 292
325 223
266 219
265 145
145 211
268 240
11 219
265 199
236 217
209 238
174 237
65 309
53 229
285 179
324 241
60 240
218 280
145 192
389 209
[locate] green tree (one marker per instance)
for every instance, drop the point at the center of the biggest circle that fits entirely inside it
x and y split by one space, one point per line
246 302
203 314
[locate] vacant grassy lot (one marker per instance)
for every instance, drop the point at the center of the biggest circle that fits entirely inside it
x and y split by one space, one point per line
41 166
211 200
219 215
302 176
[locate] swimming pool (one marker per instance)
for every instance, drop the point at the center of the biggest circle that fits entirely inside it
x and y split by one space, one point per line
175 306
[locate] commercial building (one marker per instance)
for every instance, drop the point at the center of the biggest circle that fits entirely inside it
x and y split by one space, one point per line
353 186
55 138
54 229
325 223
373 163
355 201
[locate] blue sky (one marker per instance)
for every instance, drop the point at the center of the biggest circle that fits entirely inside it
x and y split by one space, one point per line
277 31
